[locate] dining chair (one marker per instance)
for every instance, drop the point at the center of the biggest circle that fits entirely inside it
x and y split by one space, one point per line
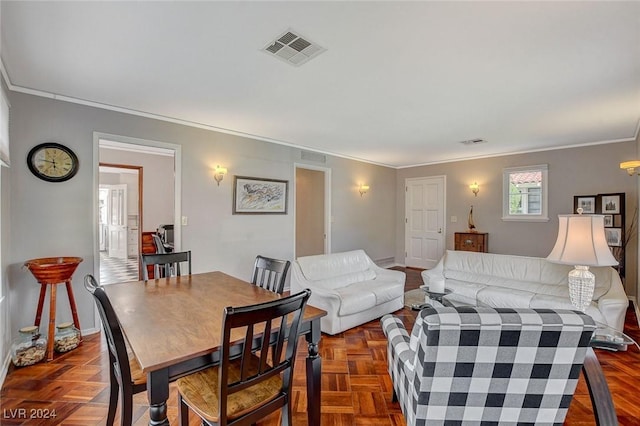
480 365
254 377
125 375
157 241
270 274
165 264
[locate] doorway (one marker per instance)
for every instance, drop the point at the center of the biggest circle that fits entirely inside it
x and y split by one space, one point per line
424 221
312 210
120 217
122 223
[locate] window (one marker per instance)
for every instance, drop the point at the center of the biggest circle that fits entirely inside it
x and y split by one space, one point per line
525 193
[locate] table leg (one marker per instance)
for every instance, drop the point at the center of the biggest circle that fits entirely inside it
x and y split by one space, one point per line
43 293
52 321
74 310
158 393
603 408
314 369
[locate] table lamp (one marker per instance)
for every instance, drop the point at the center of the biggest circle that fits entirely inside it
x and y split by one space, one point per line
581 242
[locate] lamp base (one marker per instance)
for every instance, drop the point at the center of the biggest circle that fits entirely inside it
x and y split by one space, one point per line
581 285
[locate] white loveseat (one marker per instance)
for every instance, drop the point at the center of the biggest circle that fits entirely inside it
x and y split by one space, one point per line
506 281
349 286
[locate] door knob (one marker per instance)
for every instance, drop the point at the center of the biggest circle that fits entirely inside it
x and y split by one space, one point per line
440 231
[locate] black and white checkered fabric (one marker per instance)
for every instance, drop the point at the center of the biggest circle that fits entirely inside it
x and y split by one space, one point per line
477 365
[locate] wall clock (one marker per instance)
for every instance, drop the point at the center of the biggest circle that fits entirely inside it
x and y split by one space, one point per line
52 162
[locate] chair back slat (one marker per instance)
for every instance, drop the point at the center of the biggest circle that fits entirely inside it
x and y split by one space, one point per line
270 273
167 263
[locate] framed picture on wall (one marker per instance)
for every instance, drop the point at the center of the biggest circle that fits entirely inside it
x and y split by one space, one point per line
608 220
613 236
259 196
610 204
586 202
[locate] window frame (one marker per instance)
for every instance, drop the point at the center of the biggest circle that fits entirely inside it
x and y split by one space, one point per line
544 194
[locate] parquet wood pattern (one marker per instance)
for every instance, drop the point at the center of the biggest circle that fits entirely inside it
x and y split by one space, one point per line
356 388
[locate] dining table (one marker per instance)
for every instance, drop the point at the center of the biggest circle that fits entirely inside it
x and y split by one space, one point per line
174 328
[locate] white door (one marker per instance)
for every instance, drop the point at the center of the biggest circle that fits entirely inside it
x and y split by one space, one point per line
117 220
424 221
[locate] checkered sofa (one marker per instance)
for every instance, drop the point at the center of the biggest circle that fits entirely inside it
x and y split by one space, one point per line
467 365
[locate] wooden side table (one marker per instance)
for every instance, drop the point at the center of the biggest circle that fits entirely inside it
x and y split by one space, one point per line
53 271
471 241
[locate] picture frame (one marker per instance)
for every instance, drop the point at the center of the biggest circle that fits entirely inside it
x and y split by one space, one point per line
610 204
613 236
254 195
586 202
608 221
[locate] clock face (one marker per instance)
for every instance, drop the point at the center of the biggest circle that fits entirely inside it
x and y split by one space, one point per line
52 162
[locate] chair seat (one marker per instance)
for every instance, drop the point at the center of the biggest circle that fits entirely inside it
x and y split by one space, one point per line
200 392
137 376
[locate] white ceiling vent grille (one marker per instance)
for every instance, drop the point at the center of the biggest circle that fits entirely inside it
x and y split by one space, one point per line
293 48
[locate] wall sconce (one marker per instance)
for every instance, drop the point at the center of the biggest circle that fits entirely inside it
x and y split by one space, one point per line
475 188
219 174
630 166
363 189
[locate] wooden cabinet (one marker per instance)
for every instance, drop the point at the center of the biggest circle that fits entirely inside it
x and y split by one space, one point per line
148 246
472 241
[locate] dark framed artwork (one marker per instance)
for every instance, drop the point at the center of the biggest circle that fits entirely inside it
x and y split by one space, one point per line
586 202
610 204
252 195
613 236
612 207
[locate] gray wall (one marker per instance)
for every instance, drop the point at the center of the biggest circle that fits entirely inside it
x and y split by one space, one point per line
47 219
576 171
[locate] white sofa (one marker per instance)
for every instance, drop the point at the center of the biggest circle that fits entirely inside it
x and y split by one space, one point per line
349 286
500 280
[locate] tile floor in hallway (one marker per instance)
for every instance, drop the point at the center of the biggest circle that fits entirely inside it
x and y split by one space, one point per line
113 269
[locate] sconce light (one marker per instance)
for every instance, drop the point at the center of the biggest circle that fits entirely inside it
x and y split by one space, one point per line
363 189
219 175
475 188
630 166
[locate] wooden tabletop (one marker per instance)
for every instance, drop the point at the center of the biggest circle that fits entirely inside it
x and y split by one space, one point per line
170 320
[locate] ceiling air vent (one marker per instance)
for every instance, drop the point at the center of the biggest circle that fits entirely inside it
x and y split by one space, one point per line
293 48
473 142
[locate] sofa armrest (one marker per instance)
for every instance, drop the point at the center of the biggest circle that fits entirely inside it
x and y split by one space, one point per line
436 272
613 304
401 356
322 298
389 274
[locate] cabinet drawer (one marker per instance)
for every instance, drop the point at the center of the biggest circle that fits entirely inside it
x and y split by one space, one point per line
471 241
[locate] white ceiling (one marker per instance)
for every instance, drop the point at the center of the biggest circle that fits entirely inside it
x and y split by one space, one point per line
400 84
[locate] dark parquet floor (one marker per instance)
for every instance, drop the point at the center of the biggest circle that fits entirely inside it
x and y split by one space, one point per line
356 389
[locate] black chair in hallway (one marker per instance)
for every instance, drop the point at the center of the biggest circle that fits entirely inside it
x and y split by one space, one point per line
165 264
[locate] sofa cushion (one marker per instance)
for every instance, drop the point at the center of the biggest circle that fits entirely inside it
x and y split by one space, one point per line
346 279
384 291
353 300
533 274
497 297
326 266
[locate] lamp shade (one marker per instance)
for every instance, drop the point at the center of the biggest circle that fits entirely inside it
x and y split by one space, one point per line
581 241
